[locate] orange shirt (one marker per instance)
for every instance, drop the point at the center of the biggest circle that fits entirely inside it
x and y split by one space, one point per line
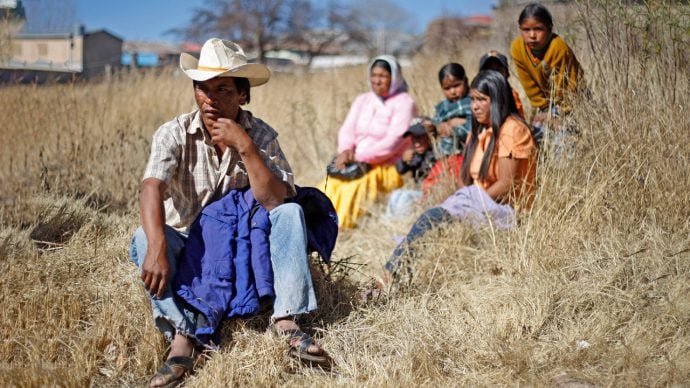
515 142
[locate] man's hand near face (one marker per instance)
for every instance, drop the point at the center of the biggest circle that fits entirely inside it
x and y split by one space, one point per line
229 133
268 189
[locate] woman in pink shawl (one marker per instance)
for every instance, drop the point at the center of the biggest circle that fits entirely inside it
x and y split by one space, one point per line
372 134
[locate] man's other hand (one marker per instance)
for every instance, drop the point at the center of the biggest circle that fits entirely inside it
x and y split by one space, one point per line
156 271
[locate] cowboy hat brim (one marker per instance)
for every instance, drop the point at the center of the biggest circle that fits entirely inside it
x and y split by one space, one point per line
257 74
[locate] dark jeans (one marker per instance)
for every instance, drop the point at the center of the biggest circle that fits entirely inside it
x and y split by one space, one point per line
427 221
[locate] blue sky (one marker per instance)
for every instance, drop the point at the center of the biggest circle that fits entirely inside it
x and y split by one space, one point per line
149 19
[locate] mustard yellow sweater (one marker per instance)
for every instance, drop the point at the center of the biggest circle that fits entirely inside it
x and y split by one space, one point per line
547 79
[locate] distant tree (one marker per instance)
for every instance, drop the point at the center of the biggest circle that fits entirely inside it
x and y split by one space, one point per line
315 30
381 23
12 11
12 18
451 34
446 34
308 26
506 3
254 24
5 40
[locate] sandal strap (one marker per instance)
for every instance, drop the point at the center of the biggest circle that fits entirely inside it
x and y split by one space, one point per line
180 361
305 340
168 374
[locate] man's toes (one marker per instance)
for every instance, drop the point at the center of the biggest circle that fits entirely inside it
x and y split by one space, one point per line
315 350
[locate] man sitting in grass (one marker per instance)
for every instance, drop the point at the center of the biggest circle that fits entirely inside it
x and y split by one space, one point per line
197 158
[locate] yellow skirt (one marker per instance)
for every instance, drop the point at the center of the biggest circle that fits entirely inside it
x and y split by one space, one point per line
351 198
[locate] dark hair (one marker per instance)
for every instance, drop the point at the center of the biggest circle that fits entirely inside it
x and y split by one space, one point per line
452 69
241 84
382 64
536 11
502 105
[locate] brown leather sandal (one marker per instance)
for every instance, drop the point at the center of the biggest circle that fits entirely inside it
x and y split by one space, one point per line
299 343
169 374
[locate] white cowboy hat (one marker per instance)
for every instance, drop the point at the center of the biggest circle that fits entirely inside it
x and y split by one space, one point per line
223 58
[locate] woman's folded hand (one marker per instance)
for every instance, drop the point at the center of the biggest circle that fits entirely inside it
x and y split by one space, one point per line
344 158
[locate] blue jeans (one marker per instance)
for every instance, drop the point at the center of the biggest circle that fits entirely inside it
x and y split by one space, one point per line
291 277
427 221
169 313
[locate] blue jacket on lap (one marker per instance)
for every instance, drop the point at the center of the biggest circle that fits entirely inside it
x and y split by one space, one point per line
226 265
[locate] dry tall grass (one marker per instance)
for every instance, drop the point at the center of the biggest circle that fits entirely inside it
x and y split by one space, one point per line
593 285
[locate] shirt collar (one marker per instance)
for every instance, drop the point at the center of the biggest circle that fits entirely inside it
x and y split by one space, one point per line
485 134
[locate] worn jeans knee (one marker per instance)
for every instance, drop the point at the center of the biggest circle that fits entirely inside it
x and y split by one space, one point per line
292 281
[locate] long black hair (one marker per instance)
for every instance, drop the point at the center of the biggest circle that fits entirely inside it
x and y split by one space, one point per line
502 105
536 11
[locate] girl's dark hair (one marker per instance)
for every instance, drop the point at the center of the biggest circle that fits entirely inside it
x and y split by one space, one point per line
241 84
536 11
452 69
502 105
382 64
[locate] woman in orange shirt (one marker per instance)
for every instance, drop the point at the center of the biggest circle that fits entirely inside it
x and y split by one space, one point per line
498 173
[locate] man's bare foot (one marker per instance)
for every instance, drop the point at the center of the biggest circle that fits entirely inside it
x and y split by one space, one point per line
181 346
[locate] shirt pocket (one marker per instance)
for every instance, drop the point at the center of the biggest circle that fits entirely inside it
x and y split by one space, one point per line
220 244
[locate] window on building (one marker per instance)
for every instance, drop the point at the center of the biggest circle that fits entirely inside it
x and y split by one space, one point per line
42 49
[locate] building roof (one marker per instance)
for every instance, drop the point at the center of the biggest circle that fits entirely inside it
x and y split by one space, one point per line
103 30
63 35
60 35
478 20
190 47
150 47
75 67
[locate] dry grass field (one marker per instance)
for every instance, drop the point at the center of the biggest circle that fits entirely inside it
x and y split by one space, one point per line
593 287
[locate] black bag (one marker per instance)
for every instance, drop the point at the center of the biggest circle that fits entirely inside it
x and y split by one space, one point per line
351 171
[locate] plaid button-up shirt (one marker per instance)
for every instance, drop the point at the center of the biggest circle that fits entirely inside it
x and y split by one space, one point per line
183 157
446 110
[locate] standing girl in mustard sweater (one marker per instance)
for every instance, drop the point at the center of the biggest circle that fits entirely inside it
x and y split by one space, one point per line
546 66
